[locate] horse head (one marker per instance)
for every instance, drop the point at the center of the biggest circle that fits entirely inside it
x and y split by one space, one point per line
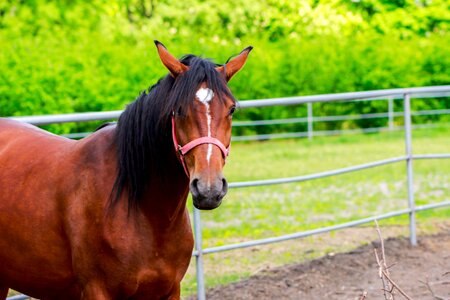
201 132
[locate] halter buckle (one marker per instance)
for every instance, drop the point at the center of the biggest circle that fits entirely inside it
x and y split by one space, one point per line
180 150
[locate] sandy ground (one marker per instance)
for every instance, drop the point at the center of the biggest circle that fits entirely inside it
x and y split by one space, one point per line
348 275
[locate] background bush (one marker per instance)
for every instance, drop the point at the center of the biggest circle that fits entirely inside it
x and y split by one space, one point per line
72 56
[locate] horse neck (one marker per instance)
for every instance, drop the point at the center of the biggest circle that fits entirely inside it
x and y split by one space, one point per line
165 199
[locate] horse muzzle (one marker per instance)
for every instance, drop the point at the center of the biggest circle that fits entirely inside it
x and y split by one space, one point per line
208 195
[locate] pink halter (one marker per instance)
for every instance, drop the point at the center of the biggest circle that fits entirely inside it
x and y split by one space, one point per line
183 150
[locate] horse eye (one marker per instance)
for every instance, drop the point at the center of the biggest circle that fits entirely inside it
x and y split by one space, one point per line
232 110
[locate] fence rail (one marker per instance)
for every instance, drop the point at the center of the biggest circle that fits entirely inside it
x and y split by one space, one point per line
404 94
339 118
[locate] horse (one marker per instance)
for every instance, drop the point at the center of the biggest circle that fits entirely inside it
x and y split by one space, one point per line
105 217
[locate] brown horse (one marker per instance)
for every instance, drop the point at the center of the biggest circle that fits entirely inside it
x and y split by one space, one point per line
105 217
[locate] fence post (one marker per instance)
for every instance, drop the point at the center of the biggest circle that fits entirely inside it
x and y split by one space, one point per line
409 168
391 113
310 120
199 257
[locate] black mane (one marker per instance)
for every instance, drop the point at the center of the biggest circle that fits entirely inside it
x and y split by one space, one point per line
143 134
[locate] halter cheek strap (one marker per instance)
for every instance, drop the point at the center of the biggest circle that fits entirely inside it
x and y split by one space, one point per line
183 150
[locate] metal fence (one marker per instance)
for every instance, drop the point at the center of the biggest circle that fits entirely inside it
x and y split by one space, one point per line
310 119
408 158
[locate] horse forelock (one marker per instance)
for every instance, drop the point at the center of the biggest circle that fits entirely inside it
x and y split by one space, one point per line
143 134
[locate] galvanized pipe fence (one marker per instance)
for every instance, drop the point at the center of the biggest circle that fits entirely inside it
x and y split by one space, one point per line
408 158
310 119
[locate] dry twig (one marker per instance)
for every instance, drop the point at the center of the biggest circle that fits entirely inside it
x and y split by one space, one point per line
389 286
382 265
363 296
435 296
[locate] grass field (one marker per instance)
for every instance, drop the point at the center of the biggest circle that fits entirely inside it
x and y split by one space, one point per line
253 213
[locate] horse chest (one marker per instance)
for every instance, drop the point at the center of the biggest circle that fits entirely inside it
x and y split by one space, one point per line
165 259
141 261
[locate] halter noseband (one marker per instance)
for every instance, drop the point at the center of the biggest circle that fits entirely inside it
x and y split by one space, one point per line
183 150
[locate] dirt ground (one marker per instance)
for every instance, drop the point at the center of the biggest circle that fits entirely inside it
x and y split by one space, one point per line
348 275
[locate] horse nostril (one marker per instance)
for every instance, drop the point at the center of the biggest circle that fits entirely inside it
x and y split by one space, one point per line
224 187
194 187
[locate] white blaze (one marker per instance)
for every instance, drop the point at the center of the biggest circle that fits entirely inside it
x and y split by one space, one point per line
205 96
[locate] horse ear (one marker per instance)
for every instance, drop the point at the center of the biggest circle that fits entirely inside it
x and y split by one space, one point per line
235 64
174 66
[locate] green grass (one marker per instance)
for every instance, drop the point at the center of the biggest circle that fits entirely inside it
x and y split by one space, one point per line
260 212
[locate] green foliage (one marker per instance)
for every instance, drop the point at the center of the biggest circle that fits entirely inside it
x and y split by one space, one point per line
72 55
